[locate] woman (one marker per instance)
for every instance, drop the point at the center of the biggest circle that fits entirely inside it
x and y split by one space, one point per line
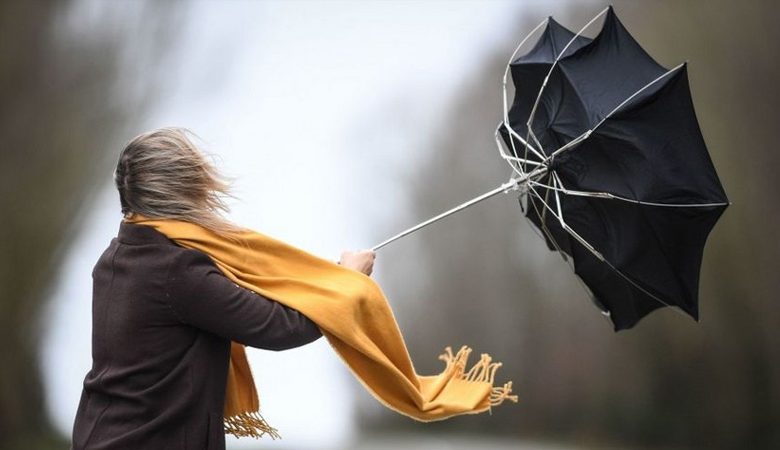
163 316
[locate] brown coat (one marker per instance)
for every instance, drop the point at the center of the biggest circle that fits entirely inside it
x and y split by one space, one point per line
163 317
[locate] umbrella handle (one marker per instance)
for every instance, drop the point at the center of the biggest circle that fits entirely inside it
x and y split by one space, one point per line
513 184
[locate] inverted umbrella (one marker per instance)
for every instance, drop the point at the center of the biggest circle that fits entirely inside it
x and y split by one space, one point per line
611 167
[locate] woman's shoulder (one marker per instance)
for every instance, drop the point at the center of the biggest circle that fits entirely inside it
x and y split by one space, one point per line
190 262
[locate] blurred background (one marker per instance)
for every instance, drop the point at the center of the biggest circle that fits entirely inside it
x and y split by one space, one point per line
343 123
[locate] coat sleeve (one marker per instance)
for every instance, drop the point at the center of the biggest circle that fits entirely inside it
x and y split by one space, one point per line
202 296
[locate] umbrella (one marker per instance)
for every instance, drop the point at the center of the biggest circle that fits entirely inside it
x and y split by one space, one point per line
611 167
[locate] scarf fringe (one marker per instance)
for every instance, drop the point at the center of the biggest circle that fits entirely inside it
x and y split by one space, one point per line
250 424
484 371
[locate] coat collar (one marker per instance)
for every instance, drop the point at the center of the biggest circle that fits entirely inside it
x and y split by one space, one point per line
136 234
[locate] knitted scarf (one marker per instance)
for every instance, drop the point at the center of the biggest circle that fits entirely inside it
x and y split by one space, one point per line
355 317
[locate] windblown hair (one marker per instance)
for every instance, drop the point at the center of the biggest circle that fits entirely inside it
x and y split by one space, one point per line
162 174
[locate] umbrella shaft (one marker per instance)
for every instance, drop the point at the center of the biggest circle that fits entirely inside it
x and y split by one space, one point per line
511 184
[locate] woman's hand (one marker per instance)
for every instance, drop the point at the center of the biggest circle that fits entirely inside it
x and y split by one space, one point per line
362 261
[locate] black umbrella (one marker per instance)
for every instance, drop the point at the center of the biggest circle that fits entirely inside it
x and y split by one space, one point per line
605 145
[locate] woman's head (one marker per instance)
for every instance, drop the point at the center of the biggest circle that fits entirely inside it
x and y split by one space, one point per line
162 174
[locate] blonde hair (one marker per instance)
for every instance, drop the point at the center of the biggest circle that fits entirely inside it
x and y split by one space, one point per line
162 174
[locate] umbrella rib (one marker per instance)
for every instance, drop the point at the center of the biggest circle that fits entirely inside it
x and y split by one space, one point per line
509 63
545 229
569 230
525 161
567 260
536 139
555 64
657 79
525 143
601 257
546 197
506 102
516 169
587 133
559 184
514 150
606 195
504 94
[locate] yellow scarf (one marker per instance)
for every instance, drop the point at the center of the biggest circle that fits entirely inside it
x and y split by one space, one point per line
355 317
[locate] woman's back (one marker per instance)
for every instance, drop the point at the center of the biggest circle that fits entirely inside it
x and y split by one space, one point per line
163 319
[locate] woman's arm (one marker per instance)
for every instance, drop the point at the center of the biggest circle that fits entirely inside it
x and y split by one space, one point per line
202 296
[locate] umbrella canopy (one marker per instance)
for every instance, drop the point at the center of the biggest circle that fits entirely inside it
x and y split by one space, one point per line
619 179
